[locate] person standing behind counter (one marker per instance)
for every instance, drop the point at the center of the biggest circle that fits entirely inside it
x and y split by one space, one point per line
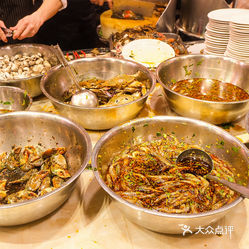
75 27
25 17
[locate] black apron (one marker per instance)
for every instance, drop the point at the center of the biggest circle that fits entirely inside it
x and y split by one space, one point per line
11 11
72 28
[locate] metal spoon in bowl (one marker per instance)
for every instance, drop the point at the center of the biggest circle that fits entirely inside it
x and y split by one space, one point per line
82 97
201 164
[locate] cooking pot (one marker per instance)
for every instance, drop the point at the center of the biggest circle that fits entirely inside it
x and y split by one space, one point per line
193 15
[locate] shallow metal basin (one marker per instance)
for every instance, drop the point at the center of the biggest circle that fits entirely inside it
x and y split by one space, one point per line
57 81
146 129
205 66
31 84
31 128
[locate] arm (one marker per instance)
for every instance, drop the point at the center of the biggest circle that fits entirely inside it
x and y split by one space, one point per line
101 2
29 25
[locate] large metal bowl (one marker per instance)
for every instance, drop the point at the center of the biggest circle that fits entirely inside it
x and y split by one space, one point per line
146 129
57 81
14 99
31 84
205 66
31 128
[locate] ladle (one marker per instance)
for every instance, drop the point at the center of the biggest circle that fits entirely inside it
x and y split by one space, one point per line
201 164
82 97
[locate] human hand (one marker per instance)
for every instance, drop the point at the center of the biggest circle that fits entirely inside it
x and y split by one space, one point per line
27 26
2 34
101 2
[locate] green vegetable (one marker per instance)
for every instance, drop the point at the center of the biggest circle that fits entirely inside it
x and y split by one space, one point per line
89 166
132 55
7 103
227 126
187 73
220 144
235 149
199 62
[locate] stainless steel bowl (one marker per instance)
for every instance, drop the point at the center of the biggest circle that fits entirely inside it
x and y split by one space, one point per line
145 129
31 128
193 23
247 122
205 66
14 99
31 84
57 81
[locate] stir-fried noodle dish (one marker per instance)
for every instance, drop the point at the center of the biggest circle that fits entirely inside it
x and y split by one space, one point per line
148 176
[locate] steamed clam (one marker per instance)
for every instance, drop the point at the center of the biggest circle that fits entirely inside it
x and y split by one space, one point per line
21 66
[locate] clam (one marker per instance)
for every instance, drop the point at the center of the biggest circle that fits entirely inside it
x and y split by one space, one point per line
23 66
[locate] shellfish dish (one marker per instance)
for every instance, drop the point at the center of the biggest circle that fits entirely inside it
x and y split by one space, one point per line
148 176
29 172
118 90
22 66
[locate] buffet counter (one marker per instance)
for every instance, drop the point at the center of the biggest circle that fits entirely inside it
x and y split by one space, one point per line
90 219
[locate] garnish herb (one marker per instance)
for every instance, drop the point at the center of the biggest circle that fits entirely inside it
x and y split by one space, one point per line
187 73
199 62
235 149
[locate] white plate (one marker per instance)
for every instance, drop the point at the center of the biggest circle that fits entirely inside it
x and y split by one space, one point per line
217 34
225 15
207 52
240 54
239 34
216 44
215 38
148 52
239 41
242 19
217 28
239 48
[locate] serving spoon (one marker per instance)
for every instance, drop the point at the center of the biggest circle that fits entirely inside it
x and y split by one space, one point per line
201 164
83 97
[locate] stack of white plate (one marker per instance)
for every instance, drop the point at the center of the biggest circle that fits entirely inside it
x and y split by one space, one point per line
238 45
217 31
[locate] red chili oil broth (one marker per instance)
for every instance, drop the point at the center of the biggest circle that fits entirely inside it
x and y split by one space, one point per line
209 89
